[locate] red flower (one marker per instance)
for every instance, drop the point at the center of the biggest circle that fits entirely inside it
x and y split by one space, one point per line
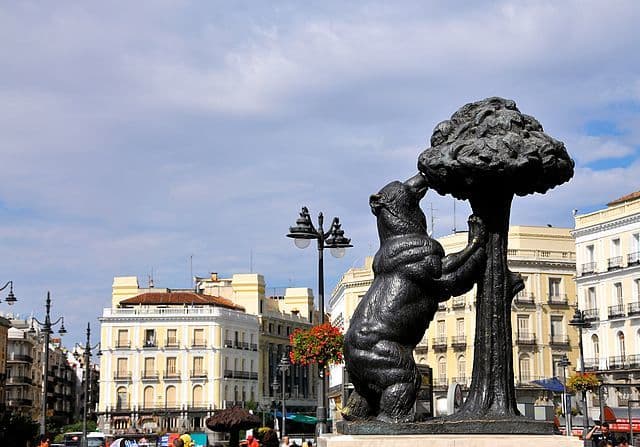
321 344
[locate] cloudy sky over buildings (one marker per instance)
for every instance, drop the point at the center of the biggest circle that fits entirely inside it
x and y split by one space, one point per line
152 136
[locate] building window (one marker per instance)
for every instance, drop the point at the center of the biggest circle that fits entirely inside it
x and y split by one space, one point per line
198 338
554 288
122 367
617 294
525 368
557 369
590 253
441 329
462 369
523 324
442 371
149 394
171 365
197 396
460 327
592 302
172 337
595 344
198 365
557 328
122 401
149 366
170 397
149 337
123 338
621 346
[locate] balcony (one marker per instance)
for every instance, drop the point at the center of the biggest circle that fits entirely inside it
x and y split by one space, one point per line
633 308
439 344
525 379
614 263
462 380
618 362
525 299
150 344
172 343
123 344
227 374
458 302
241 375
459 342
616 311
253 376
558 299
559 341
440 382
254 346
19 402
171 375
587 268
422 348
633 258
228 343
199 344
592 314
198 374
19 358
634 361
442 306
150 374
122 375
19 380
591 364
526 338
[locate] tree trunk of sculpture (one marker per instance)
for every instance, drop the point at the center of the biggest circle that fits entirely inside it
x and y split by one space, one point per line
492 392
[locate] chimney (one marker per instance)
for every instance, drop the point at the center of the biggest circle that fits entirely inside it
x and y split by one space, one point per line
214 276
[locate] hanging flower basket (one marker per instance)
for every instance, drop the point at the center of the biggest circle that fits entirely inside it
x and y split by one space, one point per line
582 382
322 344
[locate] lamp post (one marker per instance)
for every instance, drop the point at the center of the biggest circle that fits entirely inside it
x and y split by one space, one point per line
581 323
283 367
334 240
563 363
276 387
11 298
46 329
87 378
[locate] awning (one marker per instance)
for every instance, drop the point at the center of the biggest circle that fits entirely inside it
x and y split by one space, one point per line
297 417
552 384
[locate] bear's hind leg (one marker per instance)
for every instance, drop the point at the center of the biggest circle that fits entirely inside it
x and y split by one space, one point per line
396 404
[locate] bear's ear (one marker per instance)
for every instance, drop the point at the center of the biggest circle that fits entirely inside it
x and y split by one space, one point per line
376 203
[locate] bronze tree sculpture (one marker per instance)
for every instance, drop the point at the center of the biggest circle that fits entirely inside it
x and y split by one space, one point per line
487 153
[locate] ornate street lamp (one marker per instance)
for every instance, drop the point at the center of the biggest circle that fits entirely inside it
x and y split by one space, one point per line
581 323
564 363
283 367
11 298
302 233
46 329
87 379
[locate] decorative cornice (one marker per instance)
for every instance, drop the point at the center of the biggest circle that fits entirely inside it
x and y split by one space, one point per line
612 224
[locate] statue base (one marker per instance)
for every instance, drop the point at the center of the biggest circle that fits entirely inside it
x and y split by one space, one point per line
467 440
439 426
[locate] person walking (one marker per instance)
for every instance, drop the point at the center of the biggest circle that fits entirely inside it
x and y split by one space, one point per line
604 435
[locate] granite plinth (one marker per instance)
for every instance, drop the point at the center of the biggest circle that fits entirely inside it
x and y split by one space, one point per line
448 440
439 426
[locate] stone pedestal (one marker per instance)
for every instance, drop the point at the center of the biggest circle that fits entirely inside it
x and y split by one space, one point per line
448 440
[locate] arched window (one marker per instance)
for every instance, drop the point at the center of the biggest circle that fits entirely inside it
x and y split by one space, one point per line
148 396
525 368
442 370
197 396
462 370
595 343
123 398
171 400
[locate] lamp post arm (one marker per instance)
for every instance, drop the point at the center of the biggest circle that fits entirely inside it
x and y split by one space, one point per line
57 321
6 284
40 323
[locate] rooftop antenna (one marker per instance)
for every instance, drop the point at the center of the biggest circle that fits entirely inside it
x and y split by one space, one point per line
150 280
251 261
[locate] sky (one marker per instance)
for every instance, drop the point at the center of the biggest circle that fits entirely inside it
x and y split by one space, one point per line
173 137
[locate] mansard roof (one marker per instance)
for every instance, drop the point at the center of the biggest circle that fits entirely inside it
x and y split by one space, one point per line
180 298
627 198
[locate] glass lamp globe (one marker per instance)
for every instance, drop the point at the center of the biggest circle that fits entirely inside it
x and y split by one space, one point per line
301 243
337 252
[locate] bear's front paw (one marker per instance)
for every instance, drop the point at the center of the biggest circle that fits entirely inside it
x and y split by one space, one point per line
477 230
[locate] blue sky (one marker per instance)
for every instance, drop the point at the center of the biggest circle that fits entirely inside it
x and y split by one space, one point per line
138 134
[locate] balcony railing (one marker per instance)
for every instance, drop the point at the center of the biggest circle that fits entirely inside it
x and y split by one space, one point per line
559 340
168 375
526 338
149 344
618 362
19 380
19 402
440 381
235 374
254 346
227 374
592 314
439 344
123 344
633 258
616 311
462 380
587 268
525 298
634 361
442 306
614 263
122 375
591 364
228 343
20 358
558 299
150 374
459 342
458 302
633 308
198 374
199 344
172 343
525 379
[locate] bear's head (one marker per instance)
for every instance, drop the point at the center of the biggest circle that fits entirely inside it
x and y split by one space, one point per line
397 207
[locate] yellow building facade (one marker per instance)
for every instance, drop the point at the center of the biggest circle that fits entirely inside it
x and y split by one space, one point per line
608 283
170 358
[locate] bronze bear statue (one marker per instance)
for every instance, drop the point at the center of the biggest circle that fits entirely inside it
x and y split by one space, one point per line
411 276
